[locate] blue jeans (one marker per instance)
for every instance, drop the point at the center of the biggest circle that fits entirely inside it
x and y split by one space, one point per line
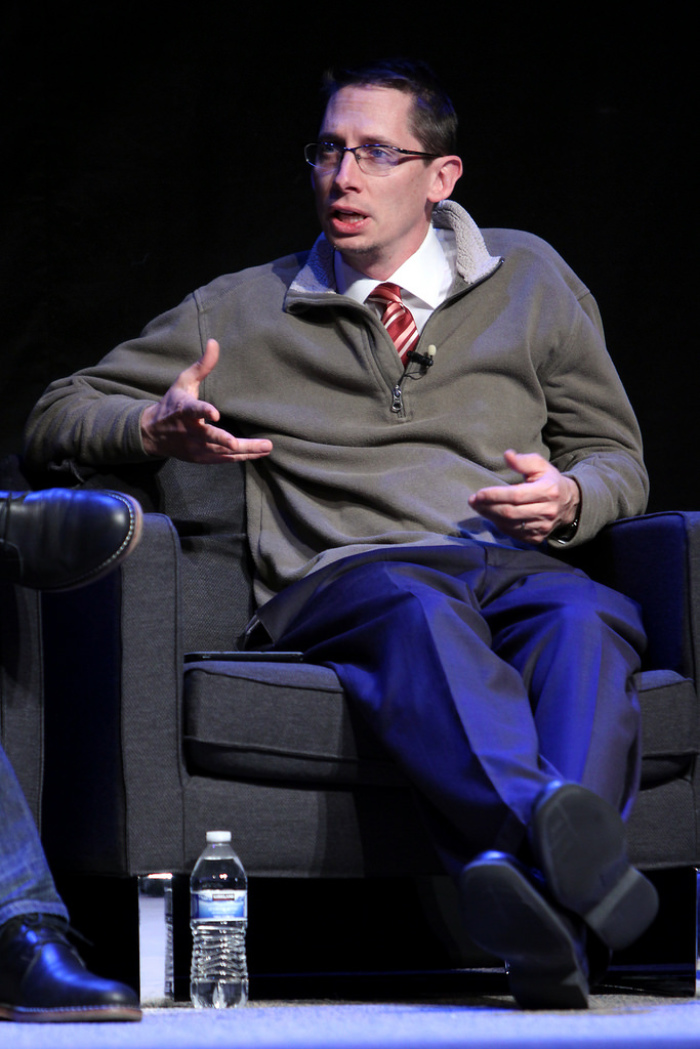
26 885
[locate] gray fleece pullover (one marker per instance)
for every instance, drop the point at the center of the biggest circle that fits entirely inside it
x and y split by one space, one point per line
520 363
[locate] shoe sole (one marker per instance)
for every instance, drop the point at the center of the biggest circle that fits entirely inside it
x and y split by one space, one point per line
579 842
505 915
76 1014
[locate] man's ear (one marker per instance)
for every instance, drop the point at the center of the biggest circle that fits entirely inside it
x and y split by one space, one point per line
447 173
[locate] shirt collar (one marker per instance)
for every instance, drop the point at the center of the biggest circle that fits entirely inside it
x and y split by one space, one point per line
427 274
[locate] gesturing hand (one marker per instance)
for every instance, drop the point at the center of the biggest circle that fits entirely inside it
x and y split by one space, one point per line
180 425
532 510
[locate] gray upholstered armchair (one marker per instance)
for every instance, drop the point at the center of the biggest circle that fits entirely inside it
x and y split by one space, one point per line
144 752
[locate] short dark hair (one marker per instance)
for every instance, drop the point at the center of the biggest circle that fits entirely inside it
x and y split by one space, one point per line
434 121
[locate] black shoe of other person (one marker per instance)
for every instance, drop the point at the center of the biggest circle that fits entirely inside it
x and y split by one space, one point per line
63 538
43 979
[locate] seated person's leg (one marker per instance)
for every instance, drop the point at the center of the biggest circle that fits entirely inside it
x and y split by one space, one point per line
413 651
41 975
54 539
576 645
26 885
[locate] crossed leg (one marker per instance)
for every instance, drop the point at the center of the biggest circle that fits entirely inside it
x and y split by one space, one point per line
492 677
486 681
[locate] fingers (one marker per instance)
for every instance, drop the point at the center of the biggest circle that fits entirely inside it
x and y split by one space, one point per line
189 408
191 377
511 495
180 424
214 444
540 483
210 358
222 447
195 441
533 508
242 448
530 464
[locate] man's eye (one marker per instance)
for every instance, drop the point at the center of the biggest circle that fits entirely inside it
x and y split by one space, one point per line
378 153
327 149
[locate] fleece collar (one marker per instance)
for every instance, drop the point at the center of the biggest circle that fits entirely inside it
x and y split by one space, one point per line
474 263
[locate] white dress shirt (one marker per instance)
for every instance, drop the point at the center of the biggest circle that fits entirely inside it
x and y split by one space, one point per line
425 278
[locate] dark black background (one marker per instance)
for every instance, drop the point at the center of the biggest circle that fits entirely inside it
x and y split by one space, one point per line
149 148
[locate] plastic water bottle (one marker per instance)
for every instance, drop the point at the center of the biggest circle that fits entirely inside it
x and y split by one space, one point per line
218 919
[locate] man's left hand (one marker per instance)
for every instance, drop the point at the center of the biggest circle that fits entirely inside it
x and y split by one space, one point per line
544 501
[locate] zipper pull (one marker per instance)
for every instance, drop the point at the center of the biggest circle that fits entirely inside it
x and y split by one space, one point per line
397 402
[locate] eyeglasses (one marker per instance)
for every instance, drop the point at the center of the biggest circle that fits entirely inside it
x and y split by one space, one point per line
372 158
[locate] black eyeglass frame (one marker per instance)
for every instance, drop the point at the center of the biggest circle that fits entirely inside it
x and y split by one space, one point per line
311 147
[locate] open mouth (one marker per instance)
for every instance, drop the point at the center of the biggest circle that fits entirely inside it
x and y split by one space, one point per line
348 216
346 220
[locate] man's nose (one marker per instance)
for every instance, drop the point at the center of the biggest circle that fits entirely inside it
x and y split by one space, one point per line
348 171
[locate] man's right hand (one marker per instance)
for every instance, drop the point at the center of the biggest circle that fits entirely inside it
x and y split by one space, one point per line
179 426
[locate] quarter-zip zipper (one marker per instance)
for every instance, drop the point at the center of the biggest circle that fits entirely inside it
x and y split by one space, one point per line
397 394
397 405
397 399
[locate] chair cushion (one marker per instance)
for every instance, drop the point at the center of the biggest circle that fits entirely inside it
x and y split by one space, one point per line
670 725
278 722
290 722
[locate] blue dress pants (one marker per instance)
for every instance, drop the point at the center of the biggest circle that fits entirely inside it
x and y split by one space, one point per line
26 885
487 672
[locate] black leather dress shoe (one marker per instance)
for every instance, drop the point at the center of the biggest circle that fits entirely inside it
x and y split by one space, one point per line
43 979
506 913
578 841
64 538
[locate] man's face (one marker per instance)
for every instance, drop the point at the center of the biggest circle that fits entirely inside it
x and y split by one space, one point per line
377 222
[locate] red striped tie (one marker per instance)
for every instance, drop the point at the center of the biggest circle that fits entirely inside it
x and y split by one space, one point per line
396 318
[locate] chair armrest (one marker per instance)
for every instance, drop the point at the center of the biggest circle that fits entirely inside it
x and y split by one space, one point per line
113 666
655 559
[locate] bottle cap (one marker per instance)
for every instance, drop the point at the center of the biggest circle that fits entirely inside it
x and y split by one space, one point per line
214 836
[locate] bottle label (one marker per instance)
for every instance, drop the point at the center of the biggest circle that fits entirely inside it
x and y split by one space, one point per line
221 904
